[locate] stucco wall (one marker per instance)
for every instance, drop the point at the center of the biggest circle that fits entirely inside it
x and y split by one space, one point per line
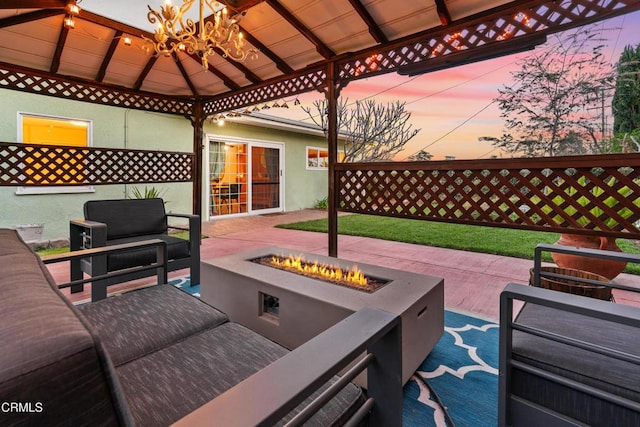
118 127
112 127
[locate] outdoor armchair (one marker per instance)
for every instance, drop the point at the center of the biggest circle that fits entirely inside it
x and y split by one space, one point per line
568 359
113 222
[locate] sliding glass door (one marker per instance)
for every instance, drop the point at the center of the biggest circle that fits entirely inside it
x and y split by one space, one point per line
265 178
244 177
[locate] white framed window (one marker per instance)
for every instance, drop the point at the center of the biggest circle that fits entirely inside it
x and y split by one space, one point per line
53 130
318 158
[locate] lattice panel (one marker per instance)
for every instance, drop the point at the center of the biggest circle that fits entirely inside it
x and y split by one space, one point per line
34 164
592 194
517 21
304 82
34 82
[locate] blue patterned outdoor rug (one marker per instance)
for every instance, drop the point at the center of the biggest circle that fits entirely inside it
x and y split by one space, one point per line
461 370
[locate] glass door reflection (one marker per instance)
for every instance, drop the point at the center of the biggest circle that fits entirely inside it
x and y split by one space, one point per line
228 165
265 178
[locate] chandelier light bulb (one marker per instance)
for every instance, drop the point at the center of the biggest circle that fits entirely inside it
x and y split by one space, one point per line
176 33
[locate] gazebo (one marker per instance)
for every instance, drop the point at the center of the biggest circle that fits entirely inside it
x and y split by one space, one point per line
301 47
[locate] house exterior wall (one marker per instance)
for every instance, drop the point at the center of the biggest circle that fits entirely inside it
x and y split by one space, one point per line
126 128
303 188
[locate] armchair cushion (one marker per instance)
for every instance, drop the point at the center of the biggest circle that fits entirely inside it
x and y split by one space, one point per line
616 376
128 217
176 248
587 368
138 323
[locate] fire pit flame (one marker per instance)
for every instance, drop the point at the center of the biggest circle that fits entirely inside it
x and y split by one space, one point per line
353 277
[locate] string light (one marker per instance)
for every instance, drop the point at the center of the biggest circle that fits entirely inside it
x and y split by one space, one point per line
72 10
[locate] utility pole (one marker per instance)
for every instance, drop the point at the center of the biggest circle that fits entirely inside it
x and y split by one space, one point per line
601 93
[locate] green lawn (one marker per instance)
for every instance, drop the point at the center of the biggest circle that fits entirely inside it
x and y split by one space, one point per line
490 240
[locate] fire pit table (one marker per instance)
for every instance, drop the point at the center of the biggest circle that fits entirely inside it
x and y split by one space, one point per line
290 308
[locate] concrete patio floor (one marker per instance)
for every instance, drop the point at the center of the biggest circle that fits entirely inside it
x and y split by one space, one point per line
473 281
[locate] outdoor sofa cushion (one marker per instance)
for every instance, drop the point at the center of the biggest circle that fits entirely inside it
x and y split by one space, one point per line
140 322
49 359
618 377
173 353
166 385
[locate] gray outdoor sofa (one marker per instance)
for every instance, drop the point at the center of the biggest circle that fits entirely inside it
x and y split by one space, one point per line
159 356
566 359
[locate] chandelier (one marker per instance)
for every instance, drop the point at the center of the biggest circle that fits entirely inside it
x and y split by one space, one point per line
177 33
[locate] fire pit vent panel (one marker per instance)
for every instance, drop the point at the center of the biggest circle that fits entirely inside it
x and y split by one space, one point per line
350 278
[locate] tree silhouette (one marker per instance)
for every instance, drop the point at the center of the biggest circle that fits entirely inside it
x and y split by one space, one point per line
626 99
421 155
547 111
369 132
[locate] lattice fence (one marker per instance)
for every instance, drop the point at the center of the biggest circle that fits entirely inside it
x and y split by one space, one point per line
297 84
50 165
521 20
35 82
587 194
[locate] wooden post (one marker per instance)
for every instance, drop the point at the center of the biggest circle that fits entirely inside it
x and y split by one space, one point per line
332 94
197 121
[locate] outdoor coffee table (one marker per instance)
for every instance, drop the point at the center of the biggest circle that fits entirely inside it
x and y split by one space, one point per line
290 309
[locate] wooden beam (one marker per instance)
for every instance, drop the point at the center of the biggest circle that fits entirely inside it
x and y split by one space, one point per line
197 121
145 72
107 58
185 76
250 75
28 17
280 63
222 76
481 53
240 5
322 48
374 29
85 15
443 12
33 4
55 63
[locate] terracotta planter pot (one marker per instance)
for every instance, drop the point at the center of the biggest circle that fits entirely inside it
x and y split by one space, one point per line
603 267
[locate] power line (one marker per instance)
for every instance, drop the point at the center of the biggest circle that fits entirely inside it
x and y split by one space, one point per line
467 120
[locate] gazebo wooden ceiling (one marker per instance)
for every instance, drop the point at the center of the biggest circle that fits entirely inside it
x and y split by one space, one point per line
297 41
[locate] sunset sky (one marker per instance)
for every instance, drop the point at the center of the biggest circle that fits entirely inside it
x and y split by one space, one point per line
454 107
